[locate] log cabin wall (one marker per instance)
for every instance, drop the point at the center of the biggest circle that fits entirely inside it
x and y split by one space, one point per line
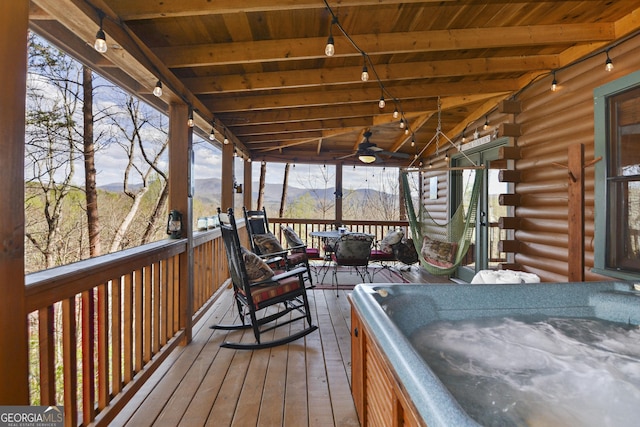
551 122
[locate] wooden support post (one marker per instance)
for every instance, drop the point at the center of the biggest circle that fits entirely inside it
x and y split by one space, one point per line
285 185
180 198
401 200
338 195
263 174
14 359
576 213
226 201
247 195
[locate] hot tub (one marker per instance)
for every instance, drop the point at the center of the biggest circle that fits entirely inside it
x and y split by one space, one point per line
390 314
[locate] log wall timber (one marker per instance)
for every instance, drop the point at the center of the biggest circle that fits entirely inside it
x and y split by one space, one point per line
551 122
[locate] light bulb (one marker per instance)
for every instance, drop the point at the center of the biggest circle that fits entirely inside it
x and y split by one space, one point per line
406 131
212 136
190 122
402 124
100 44
554 85
330 48
413 142
382 103
365 74
226 140
609 64
486 123
395 113
157 91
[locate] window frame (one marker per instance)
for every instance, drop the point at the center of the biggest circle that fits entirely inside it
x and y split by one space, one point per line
601 97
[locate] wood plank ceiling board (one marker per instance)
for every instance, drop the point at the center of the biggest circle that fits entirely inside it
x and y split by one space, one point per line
257 69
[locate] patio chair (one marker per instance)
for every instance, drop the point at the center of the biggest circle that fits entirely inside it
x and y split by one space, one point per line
266 244
352 250
256 287
383 252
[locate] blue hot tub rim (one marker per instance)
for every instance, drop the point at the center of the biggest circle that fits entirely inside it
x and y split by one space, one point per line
615 301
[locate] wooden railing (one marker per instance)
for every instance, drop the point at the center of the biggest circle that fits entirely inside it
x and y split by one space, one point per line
303 227
106 323
99 328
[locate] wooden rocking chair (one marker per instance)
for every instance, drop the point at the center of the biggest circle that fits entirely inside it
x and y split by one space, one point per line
265 243
256 287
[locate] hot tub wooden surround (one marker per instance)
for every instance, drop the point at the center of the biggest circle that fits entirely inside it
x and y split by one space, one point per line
378 396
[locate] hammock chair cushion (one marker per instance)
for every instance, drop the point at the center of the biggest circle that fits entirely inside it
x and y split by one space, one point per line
391 238
439 254
257 269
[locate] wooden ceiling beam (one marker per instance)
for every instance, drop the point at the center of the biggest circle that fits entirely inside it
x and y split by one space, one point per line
282 128
386 72
267 146
138 10
414 126
239 119
345 96
474 115
379 44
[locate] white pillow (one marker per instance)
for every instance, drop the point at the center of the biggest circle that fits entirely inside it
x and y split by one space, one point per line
393 237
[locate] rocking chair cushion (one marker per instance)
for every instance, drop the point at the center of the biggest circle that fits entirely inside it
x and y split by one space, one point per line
267 243
268 291
293 240
296 258
257 269
439 254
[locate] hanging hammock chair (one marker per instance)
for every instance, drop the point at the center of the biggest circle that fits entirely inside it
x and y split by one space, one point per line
442 245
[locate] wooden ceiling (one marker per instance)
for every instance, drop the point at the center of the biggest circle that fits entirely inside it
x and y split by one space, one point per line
257 68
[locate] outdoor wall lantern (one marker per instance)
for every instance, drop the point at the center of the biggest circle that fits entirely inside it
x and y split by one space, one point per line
174 224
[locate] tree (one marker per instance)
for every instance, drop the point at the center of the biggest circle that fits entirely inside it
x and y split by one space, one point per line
142 135
52 141
90 186
318 184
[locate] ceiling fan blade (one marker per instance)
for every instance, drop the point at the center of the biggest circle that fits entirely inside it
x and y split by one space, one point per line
396 154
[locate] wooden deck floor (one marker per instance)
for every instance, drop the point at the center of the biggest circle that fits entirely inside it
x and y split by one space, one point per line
304 383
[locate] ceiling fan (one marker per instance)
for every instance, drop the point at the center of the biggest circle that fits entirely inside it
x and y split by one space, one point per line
368 151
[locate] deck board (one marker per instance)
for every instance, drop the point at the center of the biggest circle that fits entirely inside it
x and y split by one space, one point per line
304 383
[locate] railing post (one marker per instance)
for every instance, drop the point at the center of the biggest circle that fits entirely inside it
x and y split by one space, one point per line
14 362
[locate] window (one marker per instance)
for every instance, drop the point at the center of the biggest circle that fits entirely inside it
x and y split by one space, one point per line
617 120
623 181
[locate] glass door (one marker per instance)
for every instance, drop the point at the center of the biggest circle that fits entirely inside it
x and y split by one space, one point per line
483 253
